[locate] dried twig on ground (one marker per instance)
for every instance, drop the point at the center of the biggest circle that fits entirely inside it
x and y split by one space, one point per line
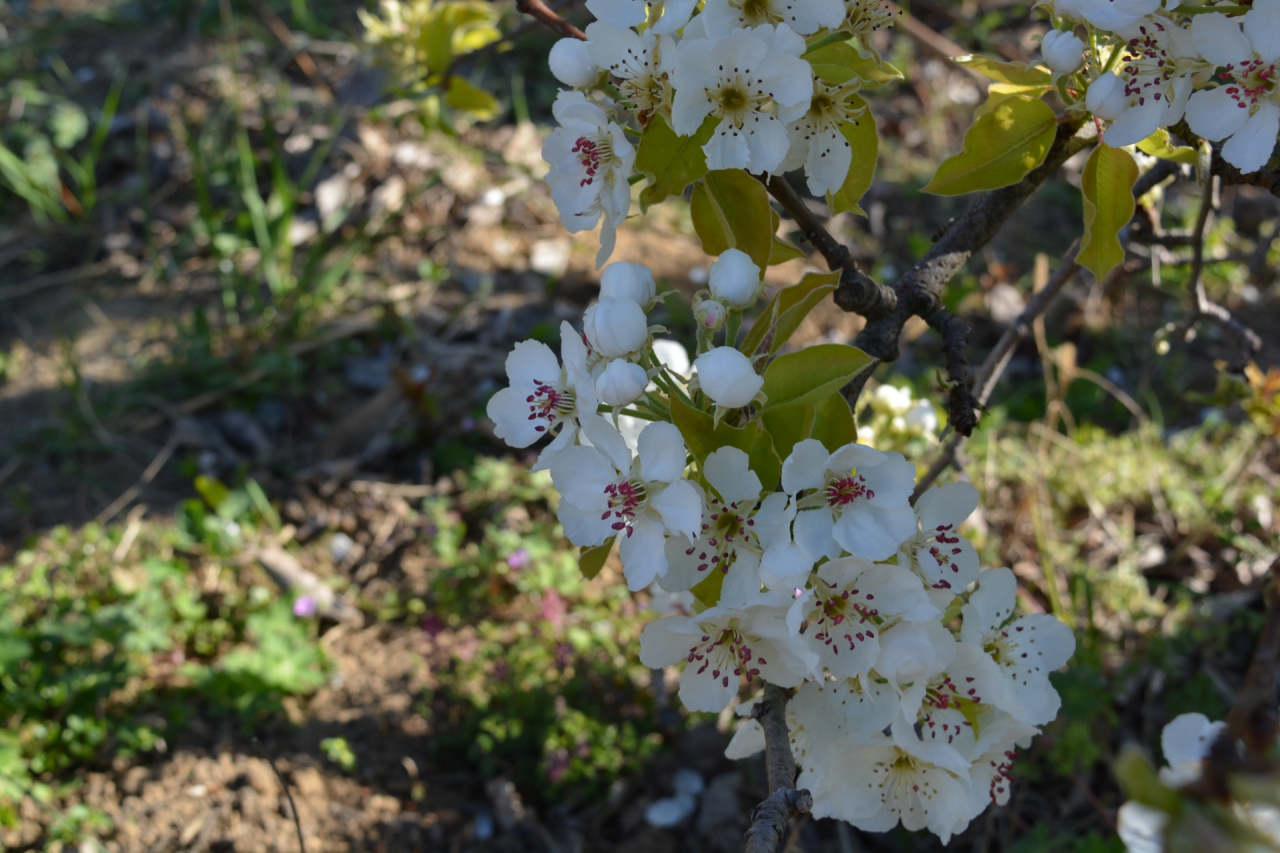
769 819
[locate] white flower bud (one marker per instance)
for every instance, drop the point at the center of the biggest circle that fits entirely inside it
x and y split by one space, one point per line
572 65
710 314
1106 98
615 327
1063 51
735 279
621 383
622 280
727 377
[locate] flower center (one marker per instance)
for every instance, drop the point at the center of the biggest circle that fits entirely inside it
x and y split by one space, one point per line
724 531
626 498
757 12
1251 81
1147 66
735 97
842 491
549 402
944 552
1003 649
864 17
595 152
725 651
841 618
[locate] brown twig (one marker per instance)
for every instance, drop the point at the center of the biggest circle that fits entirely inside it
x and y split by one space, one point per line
549 18
994 366
769 820
297 821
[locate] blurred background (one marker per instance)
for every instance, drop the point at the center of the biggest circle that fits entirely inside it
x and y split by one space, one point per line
262 559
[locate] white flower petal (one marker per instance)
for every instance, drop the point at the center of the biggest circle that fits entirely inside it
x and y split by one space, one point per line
668 640
814 533
583 527
728 472
1262 26
581 475
1215 114
806 467
1219 39
828 162
946 505
701 691
607 441
785 567
727 148
641 552
662 453
1189 737
747 741
1250 147
680 507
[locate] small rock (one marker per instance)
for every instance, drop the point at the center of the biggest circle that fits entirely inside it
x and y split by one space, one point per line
670 811
331 195
483 827
340 546
689 781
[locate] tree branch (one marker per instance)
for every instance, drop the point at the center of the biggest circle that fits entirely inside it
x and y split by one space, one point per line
993 368
550 19
769 819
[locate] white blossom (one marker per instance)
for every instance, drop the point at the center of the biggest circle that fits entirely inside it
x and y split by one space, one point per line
1063 51
1152 85
735 279
754 82
1113 15
862 18
803 16
673 356
815 139
1244 108
854 499
604 492
745 535
727 377
710 314
664 16
1026 649
590 160
571 63
641 65
621 383
739 637
615 327
622 280
543 396
943 558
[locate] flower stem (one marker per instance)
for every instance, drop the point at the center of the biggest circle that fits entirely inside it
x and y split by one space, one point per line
731 328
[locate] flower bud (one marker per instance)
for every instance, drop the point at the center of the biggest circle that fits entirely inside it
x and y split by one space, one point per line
1106 98
735 279
727 377
571 64
622 280
710 314
615 327
621 383
1063 51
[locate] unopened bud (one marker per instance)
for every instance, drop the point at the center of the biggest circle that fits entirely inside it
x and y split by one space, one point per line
1063 51
727 377
735 279
624 280
571 64
621 383
710 314
615 327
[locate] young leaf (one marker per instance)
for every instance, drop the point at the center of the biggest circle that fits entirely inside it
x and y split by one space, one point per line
670 162
703 437
793 305
1159 144
462 95
862 138
707 590
730 210
1008 72
999 92
788 426
782 251
999 149
839 63
1107 183
833 422
592 560
811 374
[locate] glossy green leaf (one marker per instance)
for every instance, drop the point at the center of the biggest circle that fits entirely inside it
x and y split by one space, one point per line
999 148
833 423
1008 72
730 210
1107 184
998 92
788 426
703 437
811 374
788 308
592 560
839 63
782 251
1160 144
707 590
670 162
462 95
862 139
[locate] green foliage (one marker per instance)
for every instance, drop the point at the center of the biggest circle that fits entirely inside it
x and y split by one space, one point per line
670 162
1107 184
839 63
1013 73
786 311
731 210
1042 840
999 149
812 374
703 437
337 750
862 139
1160 144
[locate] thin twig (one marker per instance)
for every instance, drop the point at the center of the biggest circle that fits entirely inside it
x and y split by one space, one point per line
297 821
992 369
143 481
769 820
549 18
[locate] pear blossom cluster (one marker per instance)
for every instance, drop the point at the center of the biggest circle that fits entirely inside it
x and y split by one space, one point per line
916 681
1152 65
737 65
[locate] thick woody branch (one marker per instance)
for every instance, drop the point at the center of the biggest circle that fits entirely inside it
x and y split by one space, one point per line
993 368
769 819
550 19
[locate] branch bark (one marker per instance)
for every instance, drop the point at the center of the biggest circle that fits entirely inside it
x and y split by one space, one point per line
769 819
549 18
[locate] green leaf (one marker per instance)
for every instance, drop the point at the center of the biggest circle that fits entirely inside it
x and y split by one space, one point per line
840 63
833 422
999 92
707 590
462 95
1107 183
811 374
592 560
999 149
1008 72
731 210
788 426
1159 144
787 310
782 251
861 136
703 437
670 162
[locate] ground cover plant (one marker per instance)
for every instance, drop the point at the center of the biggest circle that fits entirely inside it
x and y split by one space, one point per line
271 575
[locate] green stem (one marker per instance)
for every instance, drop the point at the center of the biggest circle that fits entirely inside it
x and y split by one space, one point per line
830 38
1114 57
731 328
